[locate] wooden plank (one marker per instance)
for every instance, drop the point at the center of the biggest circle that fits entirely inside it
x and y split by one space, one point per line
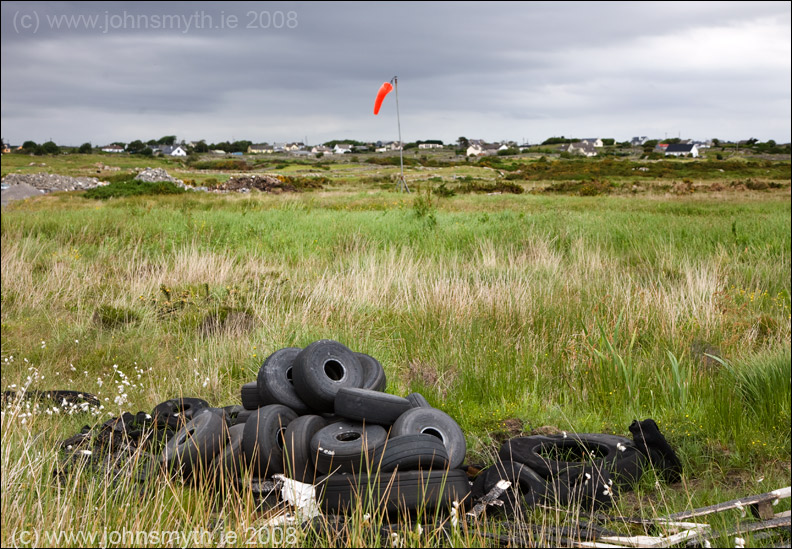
777 522
653 541
742 503
490 499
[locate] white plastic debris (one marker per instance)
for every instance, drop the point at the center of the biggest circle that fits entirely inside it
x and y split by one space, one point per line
299 495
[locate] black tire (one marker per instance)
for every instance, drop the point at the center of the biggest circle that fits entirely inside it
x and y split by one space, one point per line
321 369
527 487
176 412
262 439
274 380
299 459
195 445
346 447
374 378
417 400
407 491
411 452
251 400
437 423
368 406
229 463
551 455
590 487
233 413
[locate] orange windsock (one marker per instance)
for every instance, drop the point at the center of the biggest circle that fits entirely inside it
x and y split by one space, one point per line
384 90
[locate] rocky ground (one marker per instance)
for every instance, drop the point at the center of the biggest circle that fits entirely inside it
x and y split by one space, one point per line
17 186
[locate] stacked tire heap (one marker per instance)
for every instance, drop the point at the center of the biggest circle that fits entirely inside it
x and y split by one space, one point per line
585 470
319 415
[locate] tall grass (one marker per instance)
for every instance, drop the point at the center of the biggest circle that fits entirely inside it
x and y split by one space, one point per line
580 313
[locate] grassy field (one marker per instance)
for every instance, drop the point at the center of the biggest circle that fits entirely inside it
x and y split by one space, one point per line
509 312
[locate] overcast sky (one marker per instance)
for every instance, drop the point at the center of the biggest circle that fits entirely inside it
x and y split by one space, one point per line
286 71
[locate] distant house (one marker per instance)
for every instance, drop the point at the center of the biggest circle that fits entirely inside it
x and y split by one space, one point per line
661 147
322 149
638 141
430 146
293 146
593 141
480 148
260 148
475 149
379 146
579 147
279 147
217 151
342 148
113 149
173 150
681 149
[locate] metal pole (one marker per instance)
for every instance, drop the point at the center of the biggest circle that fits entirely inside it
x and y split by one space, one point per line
401 145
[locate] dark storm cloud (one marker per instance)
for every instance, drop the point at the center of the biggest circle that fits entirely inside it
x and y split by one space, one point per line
122 71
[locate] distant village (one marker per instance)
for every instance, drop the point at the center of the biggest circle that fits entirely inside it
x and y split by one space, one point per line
587 147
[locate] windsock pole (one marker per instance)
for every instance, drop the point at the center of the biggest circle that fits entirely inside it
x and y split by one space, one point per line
402 181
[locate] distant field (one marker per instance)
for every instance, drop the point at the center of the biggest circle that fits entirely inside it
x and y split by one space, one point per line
578 312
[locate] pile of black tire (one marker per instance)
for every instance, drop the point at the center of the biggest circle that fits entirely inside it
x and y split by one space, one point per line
319 415
587 470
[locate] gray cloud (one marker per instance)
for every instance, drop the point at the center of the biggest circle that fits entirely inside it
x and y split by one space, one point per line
295 69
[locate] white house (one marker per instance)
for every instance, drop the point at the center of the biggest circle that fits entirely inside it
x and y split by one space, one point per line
593 141
682 149
322 149
342 148
112 149
475 149
171 150
430 146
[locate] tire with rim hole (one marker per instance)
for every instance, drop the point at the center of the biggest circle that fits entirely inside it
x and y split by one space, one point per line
417 400
299 459
176 412
195 445
263 439
410 453
432 421
274 381
346 446
373 373
397 491
527 488
554 454
321 369
370 407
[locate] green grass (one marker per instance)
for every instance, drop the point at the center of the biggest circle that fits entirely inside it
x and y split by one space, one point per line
578 312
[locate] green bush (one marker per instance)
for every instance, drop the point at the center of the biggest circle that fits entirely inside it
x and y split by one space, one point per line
443 191
223 164
116 190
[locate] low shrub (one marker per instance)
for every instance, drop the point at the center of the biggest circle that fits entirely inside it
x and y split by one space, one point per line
138 188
